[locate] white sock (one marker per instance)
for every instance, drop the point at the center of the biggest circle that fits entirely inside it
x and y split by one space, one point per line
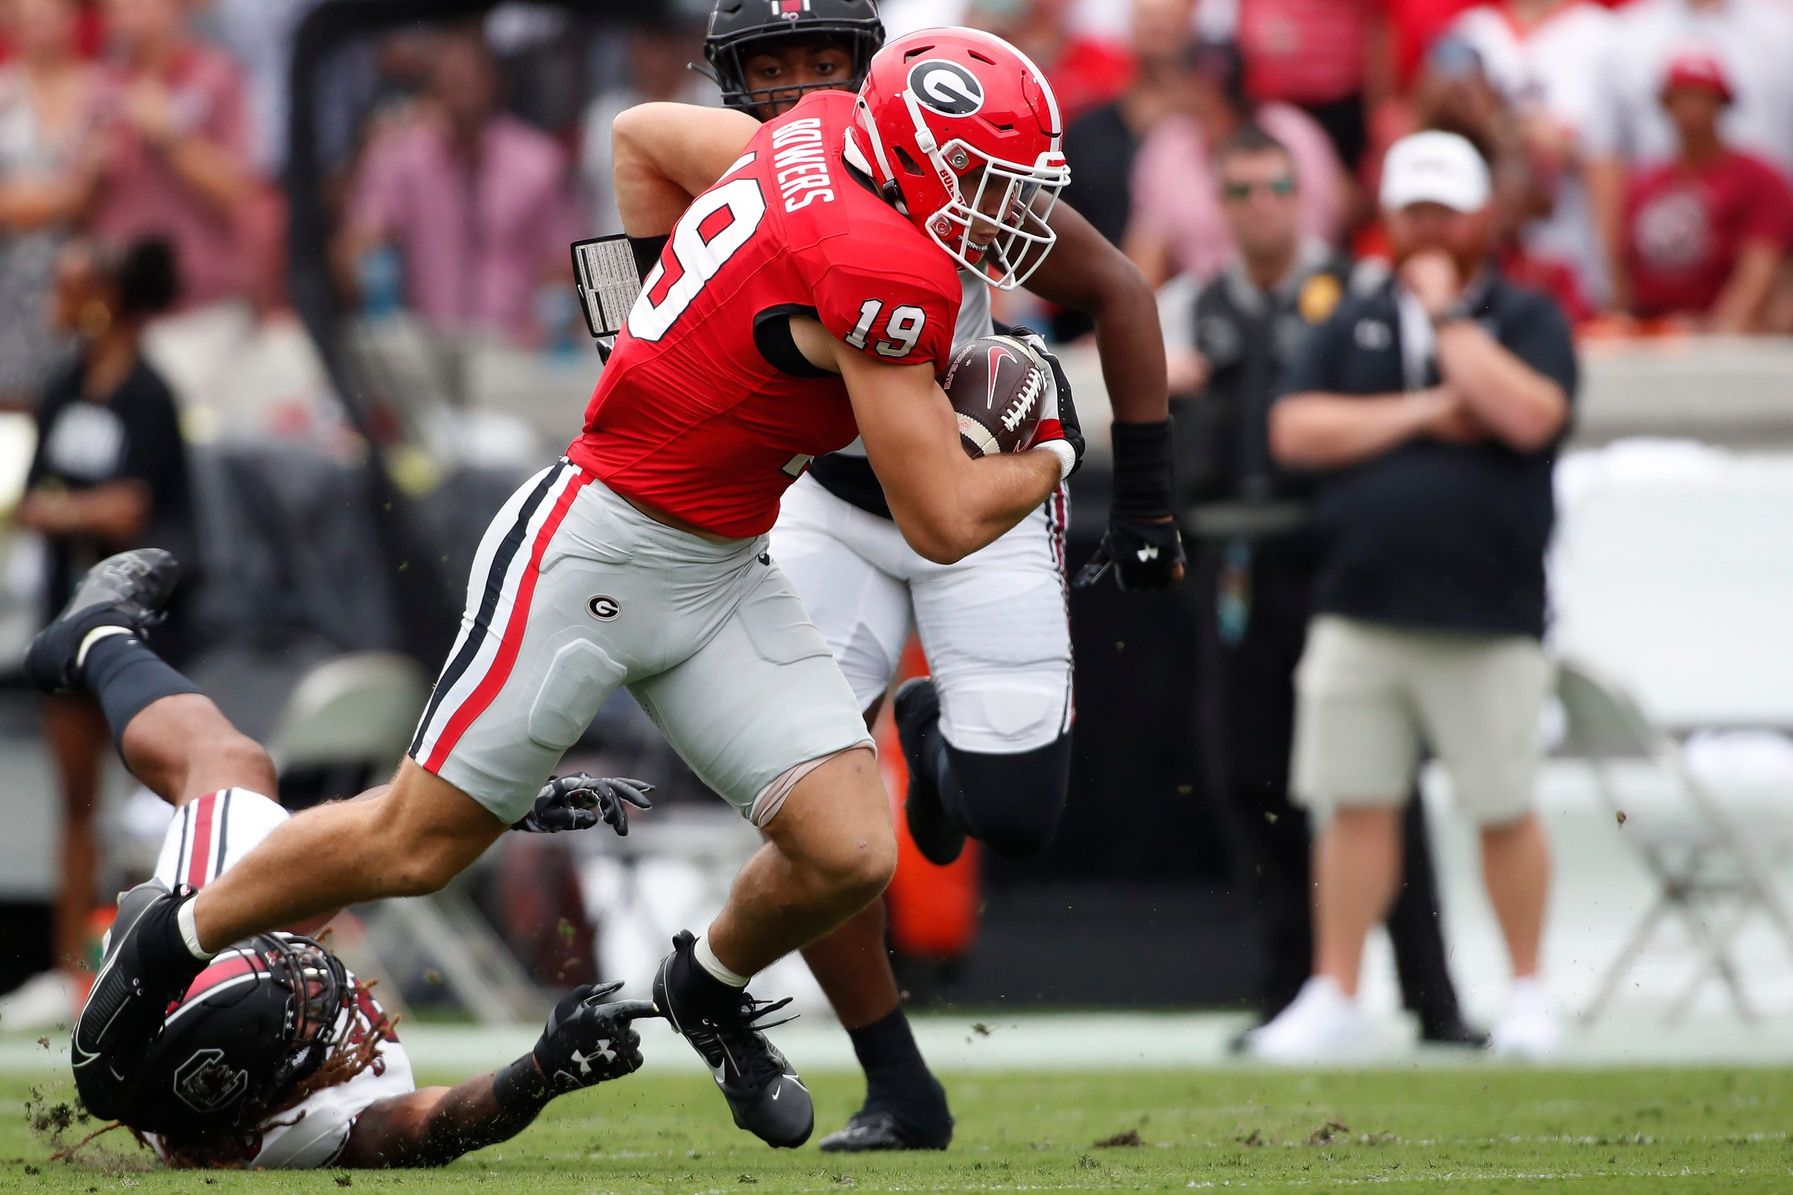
94 636
706 958
183 917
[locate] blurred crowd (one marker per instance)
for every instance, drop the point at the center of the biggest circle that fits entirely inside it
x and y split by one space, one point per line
1641 148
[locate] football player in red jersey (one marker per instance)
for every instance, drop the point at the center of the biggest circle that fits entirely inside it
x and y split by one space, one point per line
988 733
806 296
276 1057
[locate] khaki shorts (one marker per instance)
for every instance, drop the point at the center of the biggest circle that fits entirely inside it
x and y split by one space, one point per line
1370 699
575 593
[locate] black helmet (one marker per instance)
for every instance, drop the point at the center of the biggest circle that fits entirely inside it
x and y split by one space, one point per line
258 1019
742 27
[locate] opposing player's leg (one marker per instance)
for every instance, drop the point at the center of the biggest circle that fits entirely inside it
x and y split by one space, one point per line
172 737
988 736
849 567
763 715
526 669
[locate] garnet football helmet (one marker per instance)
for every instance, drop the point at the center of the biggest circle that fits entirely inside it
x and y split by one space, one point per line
259 1018
739 28
960 130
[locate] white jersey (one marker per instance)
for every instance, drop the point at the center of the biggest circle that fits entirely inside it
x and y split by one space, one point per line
206 837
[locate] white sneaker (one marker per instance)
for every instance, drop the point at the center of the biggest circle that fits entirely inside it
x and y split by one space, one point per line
48 1000
1321 1024
1529 1029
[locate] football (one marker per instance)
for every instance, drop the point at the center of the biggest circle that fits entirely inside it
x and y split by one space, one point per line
996 385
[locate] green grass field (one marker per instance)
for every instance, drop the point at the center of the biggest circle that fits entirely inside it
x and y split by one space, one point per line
1470 1129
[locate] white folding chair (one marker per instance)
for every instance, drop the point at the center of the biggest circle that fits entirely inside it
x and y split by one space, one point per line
1707 872
354 714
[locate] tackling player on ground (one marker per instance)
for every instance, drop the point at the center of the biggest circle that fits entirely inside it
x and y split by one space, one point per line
807 297
276 1057
987 735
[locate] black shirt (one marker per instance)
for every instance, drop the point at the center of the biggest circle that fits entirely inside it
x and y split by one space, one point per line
1248 336
1434 535
1101 188
133 434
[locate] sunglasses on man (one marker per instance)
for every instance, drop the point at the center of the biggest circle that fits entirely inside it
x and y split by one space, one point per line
1239 192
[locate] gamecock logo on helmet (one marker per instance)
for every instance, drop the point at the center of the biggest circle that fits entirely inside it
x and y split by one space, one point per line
946 87
206 1083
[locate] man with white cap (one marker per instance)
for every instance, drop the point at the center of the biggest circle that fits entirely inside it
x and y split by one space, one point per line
1430 410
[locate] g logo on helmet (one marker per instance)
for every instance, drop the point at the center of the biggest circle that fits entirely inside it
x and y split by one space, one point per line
945 87
206 1083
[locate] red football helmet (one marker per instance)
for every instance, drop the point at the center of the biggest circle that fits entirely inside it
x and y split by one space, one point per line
961 131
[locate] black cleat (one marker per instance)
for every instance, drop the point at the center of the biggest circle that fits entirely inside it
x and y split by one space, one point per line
127 590
139 978
881 1131
916 709
762 1090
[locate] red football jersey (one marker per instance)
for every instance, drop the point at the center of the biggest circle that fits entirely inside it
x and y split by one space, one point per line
702 411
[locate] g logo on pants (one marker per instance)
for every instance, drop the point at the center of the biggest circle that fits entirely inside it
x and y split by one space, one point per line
603 607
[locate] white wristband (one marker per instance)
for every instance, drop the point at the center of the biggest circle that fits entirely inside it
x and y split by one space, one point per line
1067 456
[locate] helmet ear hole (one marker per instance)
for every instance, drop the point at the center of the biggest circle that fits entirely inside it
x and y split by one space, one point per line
909 164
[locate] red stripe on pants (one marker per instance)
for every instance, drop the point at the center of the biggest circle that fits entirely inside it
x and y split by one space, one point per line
502 663
201 856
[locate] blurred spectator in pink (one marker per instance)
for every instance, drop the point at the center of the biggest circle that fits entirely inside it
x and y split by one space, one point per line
1317 55
1754 41
478 204
1178 226
1105 140
175 152
1084 71
1706 232
659 58
1556 64
47 110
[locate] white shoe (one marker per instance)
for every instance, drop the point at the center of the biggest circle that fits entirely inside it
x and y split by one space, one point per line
48 1000
1529 1029
1321 1024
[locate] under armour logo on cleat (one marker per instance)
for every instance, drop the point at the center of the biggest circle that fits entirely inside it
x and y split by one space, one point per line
1149 552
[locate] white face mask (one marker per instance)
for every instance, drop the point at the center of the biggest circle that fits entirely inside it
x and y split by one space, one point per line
1022 237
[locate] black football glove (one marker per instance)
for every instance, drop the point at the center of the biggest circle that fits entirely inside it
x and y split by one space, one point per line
588 1040
1144 555
1142 544
1070 429
579 802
